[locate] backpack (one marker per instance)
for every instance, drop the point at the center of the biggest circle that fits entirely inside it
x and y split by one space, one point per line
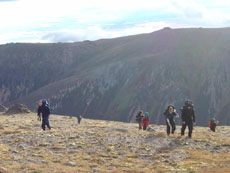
212 121
188 103
45 102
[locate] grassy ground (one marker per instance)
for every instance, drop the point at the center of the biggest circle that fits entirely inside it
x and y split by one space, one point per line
103 146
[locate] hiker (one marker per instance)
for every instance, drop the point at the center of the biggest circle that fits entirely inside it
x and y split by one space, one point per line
212 124
79 117
145 122
139 118
169 113
188 118
44 109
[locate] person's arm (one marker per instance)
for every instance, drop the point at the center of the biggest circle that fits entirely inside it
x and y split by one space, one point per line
194 117
168 122
166 114
39 113
138 116
167 119
183 116
176 114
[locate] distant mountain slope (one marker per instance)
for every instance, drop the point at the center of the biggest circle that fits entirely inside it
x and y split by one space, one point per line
112 79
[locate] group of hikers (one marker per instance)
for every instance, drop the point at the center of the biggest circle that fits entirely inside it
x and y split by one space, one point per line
143 120
187 115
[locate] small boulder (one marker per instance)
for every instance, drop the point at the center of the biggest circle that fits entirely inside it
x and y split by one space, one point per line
3 170
73 164
17 109
2 108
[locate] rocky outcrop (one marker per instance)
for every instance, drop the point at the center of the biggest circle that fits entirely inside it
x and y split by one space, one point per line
2 108
18 109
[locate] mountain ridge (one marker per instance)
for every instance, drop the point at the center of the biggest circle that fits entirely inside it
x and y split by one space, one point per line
113 78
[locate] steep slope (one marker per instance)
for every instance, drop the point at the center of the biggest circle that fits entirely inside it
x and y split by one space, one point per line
106 146
112 79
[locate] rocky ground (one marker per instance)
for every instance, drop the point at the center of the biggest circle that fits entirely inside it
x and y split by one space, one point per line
103 146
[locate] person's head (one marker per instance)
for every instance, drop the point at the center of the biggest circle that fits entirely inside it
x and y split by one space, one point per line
146 114
189 104
141 112
40 103
189 107
171 109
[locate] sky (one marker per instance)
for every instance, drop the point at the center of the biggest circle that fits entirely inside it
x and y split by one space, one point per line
48 21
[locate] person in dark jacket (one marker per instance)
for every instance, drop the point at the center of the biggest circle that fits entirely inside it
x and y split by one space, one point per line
212 124
188 118
139 118
44 112
170 113
79 117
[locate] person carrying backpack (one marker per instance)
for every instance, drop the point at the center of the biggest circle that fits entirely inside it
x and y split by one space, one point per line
212 124
43 108
188 118
145 122
139 118
170 113
79 117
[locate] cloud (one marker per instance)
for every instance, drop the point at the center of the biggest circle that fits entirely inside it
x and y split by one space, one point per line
188 8
7 0
71 20
63 37
98 32
206 13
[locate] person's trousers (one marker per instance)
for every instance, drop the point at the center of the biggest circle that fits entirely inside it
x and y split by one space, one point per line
79 120
140 125
173 125
190 128
213 127
45 122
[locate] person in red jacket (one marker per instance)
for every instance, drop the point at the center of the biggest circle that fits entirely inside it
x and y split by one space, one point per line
145 122
212 124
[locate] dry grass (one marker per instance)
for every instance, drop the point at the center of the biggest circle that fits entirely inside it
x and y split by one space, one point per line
101 146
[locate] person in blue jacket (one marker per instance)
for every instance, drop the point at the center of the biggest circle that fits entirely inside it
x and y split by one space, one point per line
44 112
